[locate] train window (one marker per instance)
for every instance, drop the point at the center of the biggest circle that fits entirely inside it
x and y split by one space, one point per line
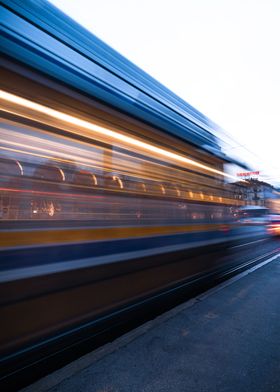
178 191
172 191
155 188
10 167
135 186
51 173
113 182
85 178
119 181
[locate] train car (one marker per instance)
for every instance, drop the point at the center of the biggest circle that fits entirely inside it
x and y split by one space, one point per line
112 187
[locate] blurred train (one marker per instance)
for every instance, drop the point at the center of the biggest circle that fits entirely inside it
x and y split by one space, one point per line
108 180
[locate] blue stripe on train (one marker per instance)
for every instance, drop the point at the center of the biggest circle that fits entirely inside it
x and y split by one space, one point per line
28 256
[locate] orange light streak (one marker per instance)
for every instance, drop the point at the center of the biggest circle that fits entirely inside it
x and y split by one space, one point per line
97 129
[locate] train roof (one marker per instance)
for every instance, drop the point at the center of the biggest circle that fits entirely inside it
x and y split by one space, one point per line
43 37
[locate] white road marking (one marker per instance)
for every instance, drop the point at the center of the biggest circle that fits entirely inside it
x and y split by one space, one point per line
247 243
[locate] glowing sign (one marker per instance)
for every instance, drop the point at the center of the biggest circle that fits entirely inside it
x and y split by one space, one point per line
248 174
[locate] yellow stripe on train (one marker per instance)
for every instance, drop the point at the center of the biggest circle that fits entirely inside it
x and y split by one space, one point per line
62 236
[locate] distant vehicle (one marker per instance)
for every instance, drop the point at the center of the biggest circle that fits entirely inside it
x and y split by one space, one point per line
258 215
274 225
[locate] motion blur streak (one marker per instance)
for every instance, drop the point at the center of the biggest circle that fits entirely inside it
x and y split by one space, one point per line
104 131
113 192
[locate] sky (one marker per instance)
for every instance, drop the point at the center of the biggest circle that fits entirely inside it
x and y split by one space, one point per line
221 56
